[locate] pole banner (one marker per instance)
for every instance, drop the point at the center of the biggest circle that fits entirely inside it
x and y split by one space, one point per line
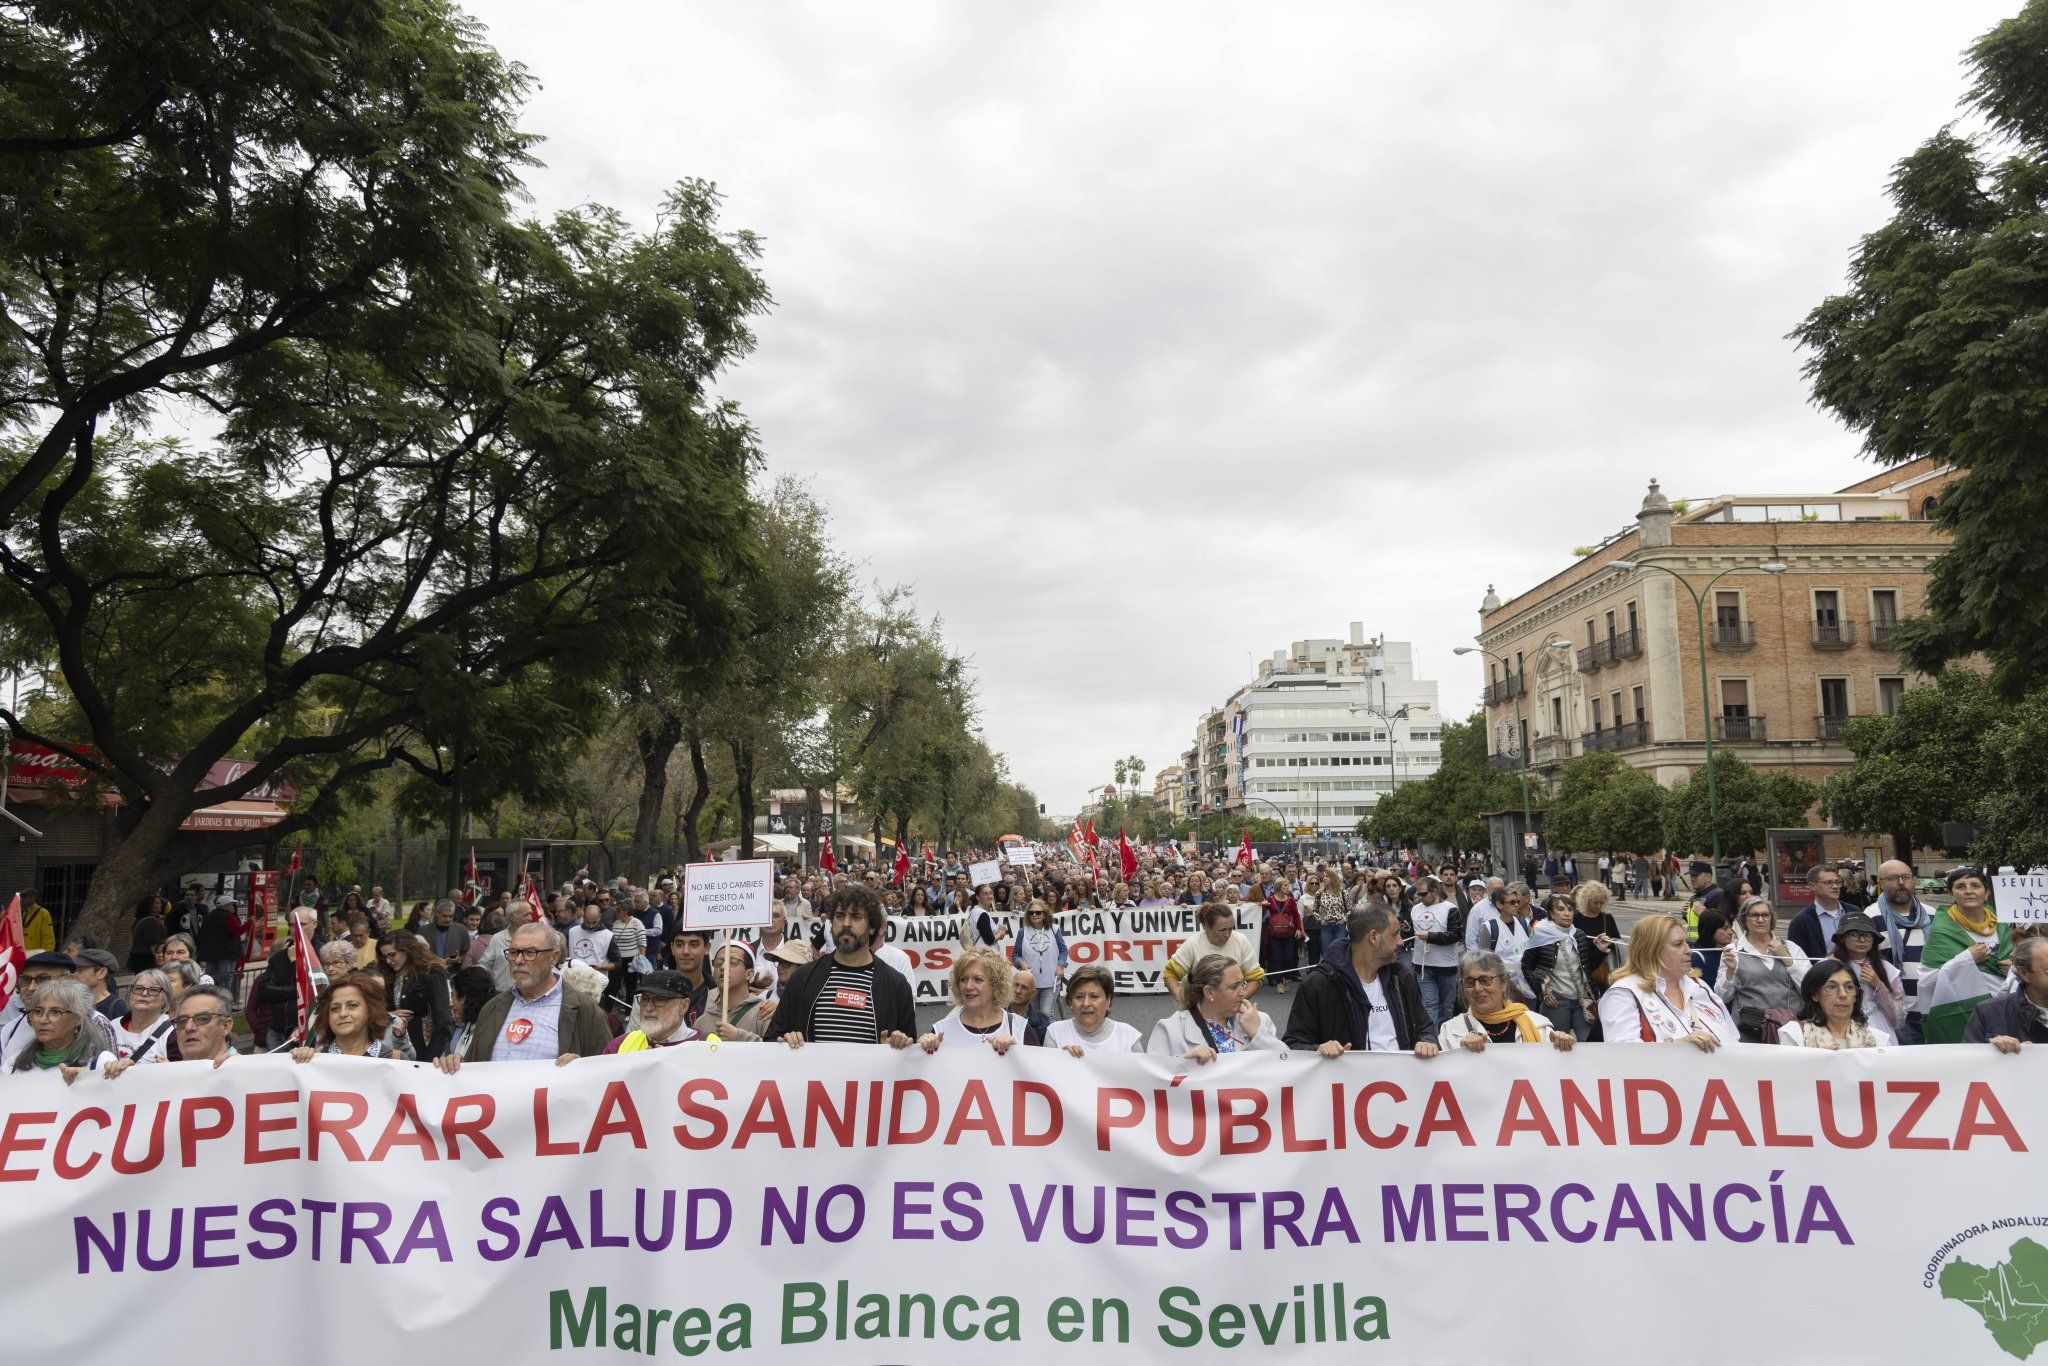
1133 944
838 1203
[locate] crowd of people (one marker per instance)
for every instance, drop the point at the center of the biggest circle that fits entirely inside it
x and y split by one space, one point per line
1379 954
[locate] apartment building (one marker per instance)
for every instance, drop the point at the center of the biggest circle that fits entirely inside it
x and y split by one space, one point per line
1780 605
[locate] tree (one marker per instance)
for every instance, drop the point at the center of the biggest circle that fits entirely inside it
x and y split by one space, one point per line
2012 816
1604 806
1936 350
191 188
398 522
1920 768
1447 809
1749 802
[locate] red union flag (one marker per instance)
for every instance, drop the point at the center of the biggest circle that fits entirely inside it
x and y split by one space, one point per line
1126 856
13 950
309 977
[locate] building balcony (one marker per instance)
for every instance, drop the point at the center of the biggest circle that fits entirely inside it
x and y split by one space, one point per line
1627 645
1547 751
1740 728
1628 735
1504 763
1731 635
1881 634
1833 635
1505 689
1830 727
1594 655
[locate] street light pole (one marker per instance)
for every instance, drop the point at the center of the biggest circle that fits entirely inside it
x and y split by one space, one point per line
1699 608
1521 729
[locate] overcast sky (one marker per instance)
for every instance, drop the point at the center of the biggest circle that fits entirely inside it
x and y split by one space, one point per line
1143 337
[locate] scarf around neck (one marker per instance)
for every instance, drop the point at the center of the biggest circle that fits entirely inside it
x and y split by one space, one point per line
1517 1012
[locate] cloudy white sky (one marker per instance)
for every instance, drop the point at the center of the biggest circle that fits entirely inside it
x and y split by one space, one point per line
1140 337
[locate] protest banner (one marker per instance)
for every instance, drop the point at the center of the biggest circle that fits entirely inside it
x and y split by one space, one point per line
985 873
2022 898
839 1203
1020 855
729 896
1133 943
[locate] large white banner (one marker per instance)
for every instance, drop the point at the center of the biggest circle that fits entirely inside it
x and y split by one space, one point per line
1133 944
839 1204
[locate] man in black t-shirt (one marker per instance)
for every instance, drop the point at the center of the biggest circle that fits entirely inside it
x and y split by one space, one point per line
848 997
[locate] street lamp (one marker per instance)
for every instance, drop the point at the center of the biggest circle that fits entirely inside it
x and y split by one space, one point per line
1521 729
1400 713
1699 606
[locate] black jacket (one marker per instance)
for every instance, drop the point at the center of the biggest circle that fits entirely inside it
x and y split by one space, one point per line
1331 1004
1537 963
217 938
433 1021
895 1008
2011 1016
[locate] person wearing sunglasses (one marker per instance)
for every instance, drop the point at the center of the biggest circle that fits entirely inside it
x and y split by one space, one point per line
205 1025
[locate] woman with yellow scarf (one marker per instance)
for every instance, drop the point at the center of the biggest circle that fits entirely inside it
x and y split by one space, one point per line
1490 1015
1964 961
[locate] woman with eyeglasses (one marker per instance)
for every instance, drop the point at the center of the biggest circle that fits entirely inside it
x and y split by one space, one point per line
1831 1011
146 1035
1760 973
69 1036
1490 1015
417 983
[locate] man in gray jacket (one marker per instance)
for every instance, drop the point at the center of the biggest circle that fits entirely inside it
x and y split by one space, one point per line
539 1017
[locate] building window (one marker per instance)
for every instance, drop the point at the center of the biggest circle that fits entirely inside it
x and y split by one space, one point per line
1610 628
1890 692
1735 698
1728 609
1597 705
1884 606
1827 608
1615 703
1591 638
1631 618
1557 716
1636 697
1834 698
62 888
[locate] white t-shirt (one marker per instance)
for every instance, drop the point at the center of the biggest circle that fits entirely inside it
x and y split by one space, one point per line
590 946
1380 1034
951 1030
1114 1037
125 1042
899 960
1434 920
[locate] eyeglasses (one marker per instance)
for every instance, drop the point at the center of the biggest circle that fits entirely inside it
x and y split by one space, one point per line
1846 988
203 1017
48 1013
145 991
522 955
1484 980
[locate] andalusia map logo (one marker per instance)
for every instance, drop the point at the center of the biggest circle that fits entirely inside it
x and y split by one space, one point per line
2009 1296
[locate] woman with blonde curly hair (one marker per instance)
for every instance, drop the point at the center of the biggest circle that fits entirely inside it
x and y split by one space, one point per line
981 991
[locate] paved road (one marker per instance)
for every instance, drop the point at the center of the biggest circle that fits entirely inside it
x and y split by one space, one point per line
1142 1012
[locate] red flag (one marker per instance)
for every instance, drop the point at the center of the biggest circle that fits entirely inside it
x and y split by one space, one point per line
928 858
295 863
1244 850
902 866
826 861
469 887
13 950
1126 856
307 972
1093 838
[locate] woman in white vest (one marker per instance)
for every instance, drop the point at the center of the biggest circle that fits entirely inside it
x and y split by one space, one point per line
981 984
1657 999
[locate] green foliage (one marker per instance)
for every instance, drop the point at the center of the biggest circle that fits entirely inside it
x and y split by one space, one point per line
1955 751
1229 828
1939 348
1749 802
1603 806
1445 810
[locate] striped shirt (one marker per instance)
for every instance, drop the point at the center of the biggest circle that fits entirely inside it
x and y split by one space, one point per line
845 1009
533 1029
629 940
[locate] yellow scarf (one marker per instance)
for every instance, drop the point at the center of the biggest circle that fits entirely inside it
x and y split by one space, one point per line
1986 923
1517 1012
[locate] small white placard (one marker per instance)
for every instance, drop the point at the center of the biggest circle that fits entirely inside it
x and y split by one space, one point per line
2021 898
1021 855
981 874
729 896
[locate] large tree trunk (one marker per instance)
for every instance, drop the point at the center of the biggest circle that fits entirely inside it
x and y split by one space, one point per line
132 866
693 847
743 788
398 859
656 743
814 815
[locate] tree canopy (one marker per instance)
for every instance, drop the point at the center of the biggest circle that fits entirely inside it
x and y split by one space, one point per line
1447 809
1749 802
1940 347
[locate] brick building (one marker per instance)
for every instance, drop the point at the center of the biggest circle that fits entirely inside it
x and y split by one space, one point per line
1798 594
